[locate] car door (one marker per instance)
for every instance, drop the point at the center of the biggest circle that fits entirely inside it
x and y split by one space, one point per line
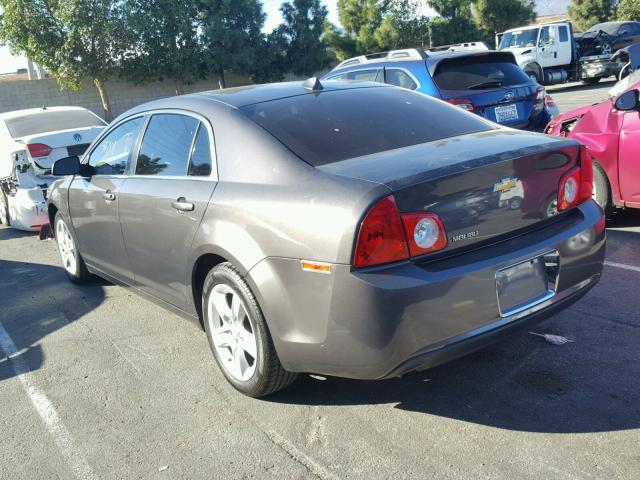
628 158
93 200
624 36
162 204
548 47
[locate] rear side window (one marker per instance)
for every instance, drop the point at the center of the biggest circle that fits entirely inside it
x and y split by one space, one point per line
564 35
112 154
166 146
341 124
477 73
400 78
51 121
200 165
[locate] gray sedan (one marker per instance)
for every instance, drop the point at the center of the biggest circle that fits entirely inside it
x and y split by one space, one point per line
357 230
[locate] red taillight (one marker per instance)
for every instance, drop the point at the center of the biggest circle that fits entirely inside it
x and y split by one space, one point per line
576 186
463 103
39 149
387 236
425 232
381 238
548 101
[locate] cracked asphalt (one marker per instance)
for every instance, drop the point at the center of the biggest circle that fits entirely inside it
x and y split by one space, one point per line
136 393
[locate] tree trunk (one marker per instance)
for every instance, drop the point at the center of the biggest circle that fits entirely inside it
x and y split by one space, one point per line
221 81
104 97
179 87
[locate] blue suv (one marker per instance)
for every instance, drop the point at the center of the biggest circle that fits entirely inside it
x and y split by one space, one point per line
479 80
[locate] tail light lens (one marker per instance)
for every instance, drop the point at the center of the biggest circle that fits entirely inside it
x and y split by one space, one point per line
548 101
576 186
463 103
425 232
381 238
540 99
39 149
386 236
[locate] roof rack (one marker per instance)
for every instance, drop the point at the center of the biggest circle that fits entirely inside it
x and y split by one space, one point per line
404 54
457 47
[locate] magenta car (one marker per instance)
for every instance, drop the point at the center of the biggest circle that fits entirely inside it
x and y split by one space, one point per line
611 131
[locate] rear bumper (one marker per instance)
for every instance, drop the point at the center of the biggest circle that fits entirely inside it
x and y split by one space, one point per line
28 209
387 321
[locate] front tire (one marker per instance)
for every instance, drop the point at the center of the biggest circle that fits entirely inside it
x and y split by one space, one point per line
591 81
72 261
601 189
239 336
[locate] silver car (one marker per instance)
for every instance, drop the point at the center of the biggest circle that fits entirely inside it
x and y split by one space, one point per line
357 230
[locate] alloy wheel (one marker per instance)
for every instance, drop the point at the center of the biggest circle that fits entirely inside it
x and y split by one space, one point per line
66 247
232 332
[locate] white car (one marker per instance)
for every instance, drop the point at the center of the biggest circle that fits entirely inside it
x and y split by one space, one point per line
30 142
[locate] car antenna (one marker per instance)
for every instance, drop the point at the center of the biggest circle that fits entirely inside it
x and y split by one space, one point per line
313 84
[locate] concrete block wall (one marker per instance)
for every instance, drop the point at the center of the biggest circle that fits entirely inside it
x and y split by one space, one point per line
18 95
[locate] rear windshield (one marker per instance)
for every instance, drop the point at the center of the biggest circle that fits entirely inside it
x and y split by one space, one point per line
341 124
477 73
52 121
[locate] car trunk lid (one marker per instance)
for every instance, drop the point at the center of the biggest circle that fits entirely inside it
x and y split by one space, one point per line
483 186
64 143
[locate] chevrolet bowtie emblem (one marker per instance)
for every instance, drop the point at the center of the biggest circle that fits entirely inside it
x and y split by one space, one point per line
505 185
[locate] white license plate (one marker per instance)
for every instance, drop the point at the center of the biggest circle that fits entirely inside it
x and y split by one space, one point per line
506 113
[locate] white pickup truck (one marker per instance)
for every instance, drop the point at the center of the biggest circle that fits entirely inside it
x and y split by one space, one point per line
549 54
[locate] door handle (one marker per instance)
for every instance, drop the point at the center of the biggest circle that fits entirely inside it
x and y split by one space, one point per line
109 196
182 205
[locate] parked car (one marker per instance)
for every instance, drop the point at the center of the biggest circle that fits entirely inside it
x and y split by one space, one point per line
549 54
309 227
469 76
30 142
609 37
611 131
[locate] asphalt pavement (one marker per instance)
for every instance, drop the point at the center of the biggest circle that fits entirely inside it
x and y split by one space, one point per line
96 382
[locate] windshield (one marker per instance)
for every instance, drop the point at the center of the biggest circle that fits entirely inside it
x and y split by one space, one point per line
51 121
608 28
340 124
519 39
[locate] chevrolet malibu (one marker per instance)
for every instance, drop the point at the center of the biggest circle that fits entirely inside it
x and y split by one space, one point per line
356 230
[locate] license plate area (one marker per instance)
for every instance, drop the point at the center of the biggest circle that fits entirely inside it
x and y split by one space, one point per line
528 283
506 113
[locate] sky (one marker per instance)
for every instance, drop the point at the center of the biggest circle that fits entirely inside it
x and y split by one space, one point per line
10 63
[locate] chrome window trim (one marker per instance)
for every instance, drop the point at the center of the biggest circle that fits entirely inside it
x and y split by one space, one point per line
213 176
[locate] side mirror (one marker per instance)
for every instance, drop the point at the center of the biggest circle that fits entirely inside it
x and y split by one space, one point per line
628 101
66 166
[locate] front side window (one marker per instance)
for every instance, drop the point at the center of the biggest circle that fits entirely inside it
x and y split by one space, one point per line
166 146
112 155
200 165
400 78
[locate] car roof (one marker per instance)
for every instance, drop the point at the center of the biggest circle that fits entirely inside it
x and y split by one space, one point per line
35 111
238 97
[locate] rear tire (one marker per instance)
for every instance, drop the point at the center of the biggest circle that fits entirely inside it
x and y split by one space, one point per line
72 261
239 336
5 218
601 189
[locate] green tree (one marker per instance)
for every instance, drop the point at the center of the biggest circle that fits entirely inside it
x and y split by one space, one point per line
231 35
628 10
451 8
367 28
163 42
586 13
495 16
302 30
72 39
411 26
